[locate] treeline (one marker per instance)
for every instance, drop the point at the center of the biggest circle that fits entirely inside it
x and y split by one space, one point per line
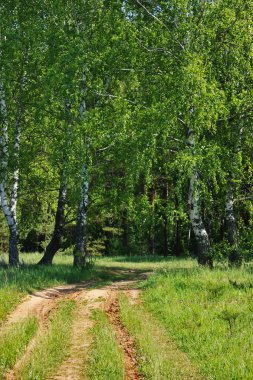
126 127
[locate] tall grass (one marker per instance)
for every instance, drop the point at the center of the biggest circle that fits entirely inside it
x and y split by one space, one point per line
210 316
158 356
105 358
13 342
51 347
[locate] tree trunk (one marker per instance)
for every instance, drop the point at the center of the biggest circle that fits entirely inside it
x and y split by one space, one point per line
234 257
165 236
13 246
125 232
201 235
56 240
152 237
13 239
177 244
9 210
165 197
80 250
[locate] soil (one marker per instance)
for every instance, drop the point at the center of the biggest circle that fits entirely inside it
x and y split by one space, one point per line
123 337
41 304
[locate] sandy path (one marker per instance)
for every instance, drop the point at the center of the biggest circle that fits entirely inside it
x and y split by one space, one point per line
126 341
42 303
72 368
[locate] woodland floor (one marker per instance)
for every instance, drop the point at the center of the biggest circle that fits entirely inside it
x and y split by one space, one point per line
89 296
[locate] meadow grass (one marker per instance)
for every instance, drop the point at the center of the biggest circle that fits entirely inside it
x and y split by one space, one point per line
9 298
51 347
158 357
105 357
209 314
15 283
13 341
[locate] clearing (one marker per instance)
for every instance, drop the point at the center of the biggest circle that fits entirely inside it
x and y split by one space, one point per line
79 350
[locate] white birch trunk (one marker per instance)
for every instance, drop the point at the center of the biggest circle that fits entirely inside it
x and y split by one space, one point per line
9 209
15 177
234 257
200 233
3 137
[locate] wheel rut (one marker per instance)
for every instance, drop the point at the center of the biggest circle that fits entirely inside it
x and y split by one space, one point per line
125 340
41 304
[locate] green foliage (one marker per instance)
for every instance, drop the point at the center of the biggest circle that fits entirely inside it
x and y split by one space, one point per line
147 73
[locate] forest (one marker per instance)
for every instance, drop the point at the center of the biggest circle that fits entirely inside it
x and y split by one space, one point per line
126 126
126 172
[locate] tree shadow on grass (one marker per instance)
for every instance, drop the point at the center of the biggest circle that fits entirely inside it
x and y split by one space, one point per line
29 278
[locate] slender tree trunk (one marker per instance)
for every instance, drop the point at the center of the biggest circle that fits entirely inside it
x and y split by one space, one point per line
9 210
15 176
165 236
125 233
165 196
56 239
13 238
201 235
80 251
151 236
177 244
234 257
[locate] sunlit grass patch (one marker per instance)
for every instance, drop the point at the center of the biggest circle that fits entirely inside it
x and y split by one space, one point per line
13 341
105 357
209 315
51 347
158 357
9 298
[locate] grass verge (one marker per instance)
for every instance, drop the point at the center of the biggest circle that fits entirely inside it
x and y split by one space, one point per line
9 298
167 362
13 342
17 282
209 315
105 357
51 347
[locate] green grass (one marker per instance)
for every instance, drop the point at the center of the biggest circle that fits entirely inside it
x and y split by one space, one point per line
158 357
9 298
105 358
13 342
52 347
209 314
17 282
